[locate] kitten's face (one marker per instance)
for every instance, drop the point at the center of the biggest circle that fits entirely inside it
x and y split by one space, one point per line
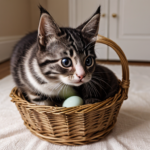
67 54
70 59
80 67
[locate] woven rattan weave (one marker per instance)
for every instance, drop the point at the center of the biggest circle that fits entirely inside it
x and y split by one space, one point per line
76 125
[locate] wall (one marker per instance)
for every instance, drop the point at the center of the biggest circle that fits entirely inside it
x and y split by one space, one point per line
19 17
35 12
14 17
59 10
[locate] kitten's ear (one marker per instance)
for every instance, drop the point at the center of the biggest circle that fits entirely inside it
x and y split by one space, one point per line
47 27
91 26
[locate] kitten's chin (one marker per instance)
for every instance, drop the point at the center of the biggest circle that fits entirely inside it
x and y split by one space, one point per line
77 84
74 82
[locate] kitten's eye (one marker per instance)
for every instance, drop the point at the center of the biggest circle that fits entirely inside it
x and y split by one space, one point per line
66 62
88 61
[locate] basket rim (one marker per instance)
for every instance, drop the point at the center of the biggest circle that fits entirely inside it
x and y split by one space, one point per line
119 96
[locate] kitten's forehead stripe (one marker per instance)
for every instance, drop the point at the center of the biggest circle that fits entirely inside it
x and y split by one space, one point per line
76 39
86 53
71 52
65 53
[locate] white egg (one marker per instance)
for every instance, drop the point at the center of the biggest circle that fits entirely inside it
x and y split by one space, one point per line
72 101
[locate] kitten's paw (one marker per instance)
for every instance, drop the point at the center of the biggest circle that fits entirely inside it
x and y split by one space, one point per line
43 102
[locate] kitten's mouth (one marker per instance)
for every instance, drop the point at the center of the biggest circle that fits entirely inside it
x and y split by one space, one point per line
78 83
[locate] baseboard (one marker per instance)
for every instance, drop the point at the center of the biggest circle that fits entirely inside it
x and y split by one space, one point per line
6 46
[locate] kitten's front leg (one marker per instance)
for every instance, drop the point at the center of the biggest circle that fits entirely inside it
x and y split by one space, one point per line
38 99
43 102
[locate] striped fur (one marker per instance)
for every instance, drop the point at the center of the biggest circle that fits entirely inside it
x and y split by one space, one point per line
37 63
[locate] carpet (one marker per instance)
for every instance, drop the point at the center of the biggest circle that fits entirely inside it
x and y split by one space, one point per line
131 132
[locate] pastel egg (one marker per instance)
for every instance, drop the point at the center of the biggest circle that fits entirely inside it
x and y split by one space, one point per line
72 101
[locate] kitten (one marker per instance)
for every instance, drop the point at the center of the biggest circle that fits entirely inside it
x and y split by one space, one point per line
47 60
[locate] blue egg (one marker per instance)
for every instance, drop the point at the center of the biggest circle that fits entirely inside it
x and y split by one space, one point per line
72 101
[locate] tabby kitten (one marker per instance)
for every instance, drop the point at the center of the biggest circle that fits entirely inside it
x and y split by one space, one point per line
49 60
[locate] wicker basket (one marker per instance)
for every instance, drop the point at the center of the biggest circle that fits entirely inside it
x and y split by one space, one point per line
76 125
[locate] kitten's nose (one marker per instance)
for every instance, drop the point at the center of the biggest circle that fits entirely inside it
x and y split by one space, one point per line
80 73
81 76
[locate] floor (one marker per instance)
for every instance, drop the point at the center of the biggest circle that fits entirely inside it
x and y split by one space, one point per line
5 66
131 132
4 69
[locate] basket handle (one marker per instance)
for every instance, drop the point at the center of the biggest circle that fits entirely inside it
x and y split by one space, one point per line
125 68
